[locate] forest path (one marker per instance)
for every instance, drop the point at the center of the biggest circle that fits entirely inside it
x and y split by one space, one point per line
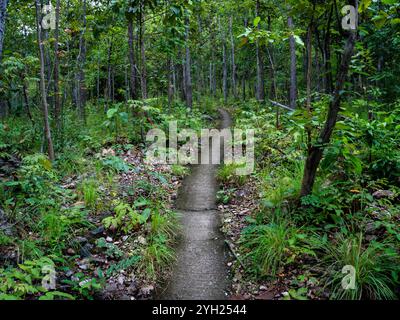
200 272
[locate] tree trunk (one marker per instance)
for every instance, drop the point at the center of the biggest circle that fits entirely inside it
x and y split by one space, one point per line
3 11
234 88
183 80
293 67
109 70
224 72
132 73
143 52
26 99
260 64
315 152
57 95
309 67
188 74
81 87
47 129
170 83
327 55
213 83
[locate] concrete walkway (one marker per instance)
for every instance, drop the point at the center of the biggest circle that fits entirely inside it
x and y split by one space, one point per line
200 272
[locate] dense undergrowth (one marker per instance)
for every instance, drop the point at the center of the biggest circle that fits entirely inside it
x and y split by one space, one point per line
96 223
351 219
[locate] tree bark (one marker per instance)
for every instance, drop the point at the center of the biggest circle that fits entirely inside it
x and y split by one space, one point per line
3 12
143 52
213 82
315 152
224 71
293 67
327 55
109 76
50 148
234 88
170 83
57 98
132 63
188 73
260 65
80 77
26 99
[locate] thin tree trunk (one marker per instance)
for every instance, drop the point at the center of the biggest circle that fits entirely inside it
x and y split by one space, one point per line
143 52
132 63
57 94
26 99
260 65
293 67
170 84
188 73
174 83
327 55
3 12
234 88
109 69
47 129
98 78
213 83
183 80
315 152
211 77
224 72
80 77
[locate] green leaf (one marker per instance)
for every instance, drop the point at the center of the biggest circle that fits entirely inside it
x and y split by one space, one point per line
111 112
257 21
298 40
395 21
364 5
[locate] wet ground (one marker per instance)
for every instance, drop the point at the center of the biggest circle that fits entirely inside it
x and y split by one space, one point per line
200 272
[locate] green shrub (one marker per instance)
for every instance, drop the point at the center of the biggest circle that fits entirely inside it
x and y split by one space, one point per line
377 266
90 193
269 247
156 257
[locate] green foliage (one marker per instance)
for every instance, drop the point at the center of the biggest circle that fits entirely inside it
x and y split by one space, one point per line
90 193
269 247
116 119
116 164
85 286
124 264
34 181
179 171
111 250
126 218
156 256
228 174
164 224
25 281
376 268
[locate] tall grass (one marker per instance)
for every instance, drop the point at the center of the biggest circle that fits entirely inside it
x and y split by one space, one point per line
376 265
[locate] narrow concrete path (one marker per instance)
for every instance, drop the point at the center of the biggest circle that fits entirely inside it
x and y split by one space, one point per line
200 272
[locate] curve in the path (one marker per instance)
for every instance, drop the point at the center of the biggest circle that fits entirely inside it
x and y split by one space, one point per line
200 272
